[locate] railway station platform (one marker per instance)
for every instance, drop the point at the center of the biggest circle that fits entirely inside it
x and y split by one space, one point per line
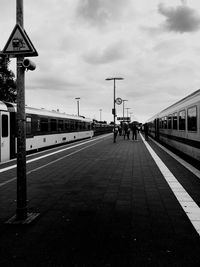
101 203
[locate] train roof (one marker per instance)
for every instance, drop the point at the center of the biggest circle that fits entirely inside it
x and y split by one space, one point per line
183 100
43 112
190 99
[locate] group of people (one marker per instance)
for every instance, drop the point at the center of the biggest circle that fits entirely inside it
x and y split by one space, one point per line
126 130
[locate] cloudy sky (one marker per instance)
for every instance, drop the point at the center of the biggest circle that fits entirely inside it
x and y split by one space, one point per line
153 44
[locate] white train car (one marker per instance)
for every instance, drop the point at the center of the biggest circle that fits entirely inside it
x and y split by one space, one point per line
43 129
4 132
179 125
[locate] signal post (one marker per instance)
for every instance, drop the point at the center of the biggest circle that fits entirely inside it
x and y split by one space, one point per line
19 45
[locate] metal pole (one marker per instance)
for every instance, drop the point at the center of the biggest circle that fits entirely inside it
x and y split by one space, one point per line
77 98
21 212
123 112
78 106
114 111
127 112
114 135
100 114
123 115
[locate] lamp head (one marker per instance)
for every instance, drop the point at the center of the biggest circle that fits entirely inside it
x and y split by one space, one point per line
114 78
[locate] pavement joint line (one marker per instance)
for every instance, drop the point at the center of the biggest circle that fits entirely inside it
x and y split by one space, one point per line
52 153
8 181
189 206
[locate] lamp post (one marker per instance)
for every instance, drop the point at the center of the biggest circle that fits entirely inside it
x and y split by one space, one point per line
100 113
114 110
123 100
130 115
78 98
127 112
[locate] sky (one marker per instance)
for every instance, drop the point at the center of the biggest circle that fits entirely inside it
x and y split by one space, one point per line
152 44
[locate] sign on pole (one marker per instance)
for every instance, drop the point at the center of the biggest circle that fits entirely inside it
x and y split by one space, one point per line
19 44
118 101
123 118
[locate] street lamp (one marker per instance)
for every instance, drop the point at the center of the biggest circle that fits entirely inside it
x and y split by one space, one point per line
100 113
78 98
114 111
123 100
130 115
127 112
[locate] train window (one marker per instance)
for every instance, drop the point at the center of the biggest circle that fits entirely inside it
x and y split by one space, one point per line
44 125
88 126
192 119
81 125
28 125
169 121
160 123
181 120
67 125
38 125
165 123
76 125
4 125
174 120
60 125
72 125
53 125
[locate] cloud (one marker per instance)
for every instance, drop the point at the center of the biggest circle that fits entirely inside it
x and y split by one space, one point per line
101 12
52 84
180 19
109 54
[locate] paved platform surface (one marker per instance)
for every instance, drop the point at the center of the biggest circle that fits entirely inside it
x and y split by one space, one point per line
104 205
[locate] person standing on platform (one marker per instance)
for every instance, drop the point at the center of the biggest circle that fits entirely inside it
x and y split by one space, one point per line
134 130
115 130
128 132
125 130
120 130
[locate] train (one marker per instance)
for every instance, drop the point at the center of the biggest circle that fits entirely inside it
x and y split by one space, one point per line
101 127
44 129
178 126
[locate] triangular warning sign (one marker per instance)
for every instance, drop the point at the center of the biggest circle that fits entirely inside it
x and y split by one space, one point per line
19 43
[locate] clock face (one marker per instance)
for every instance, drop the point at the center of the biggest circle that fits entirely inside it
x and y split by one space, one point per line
118 101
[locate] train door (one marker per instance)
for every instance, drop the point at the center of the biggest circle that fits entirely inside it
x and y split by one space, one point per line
4 136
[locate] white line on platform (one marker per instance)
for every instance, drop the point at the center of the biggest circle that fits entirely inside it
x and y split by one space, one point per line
191 209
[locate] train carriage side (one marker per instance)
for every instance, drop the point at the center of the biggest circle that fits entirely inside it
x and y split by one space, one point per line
4 133
47 128
179 125
43 129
